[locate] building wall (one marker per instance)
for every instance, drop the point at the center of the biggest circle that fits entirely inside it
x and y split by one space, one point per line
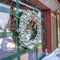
48 27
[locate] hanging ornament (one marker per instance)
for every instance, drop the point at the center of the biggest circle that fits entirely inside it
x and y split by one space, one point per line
29 29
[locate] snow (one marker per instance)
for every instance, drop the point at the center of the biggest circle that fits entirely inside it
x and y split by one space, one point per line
55 55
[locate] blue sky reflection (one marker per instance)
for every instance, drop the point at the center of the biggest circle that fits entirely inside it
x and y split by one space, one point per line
4 17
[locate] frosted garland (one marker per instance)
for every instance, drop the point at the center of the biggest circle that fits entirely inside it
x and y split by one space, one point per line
24 34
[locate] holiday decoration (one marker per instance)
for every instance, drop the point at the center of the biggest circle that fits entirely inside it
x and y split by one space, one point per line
29 29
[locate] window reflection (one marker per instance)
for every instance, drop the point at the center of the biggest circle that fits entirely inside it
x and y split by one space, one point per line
4 18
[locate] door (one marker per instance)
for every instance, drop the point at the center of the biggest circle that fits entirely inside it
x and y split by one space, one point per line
54 37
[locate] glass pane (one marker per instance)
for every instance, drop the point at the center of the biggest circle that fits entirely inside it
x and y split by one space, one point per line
32 37
4 18
7 44
15 58
24 56
7 47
